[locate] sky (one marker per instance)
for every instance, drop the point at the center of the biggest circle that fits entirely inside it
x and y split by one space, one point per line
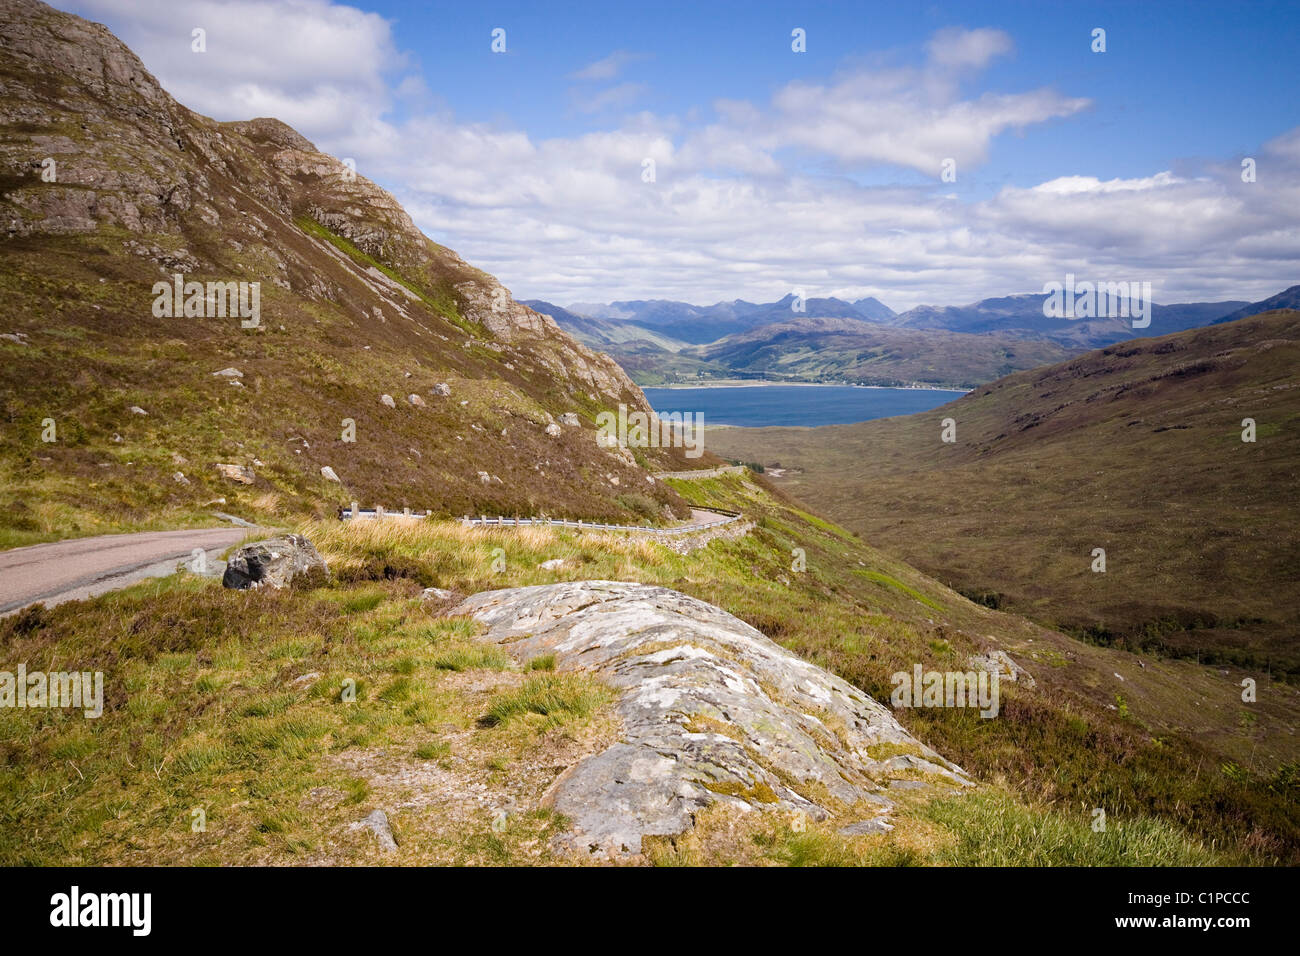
687 151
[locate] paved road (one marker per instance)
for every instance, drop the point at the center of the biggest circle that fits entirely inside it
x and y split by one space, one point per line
83 567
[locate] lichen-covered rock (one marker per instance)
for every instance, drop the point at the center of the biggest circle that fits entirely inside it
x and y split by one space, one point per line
571 419
712 712
275 563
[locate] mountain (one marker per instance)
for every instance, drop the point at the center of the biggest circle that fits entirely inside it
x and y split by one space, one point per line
813 349
1286 299
117 415
873 309
1021 316
1136 449
701 324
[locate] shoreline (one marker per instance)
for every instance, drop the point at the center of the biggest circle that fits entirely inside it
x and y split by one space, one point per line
750 383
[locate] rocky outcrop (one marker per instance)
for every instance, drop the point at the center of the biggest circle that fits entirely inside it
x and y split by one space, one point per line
712 712
276 563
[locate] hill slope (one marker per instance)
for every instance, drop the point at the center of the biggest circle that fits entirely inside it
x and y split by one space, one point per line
355 304
813 349
1136 449
1021 316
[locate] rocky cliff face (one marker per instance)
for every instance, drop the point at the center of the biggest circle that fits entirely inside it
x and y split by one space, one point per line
108 185
712 713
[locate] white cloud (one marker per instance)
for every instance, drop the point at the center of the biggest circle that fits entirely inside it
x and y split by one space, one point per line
607 68
957 48
751 199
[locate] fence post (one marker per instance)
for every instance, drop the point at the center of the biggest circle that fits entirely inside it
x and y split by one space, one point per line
379 511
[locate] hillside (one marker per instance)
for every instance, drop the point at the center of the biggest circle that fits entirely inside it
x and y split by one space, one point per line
1136 449
1021 316
813 349
1286 299
480 744
355 304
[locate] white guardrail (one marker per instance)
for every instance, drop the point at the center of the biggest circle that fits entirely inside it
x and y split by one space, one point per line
346 514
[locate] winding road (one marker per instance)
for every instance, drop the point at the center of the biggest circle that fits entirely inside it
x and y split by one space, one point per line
83 567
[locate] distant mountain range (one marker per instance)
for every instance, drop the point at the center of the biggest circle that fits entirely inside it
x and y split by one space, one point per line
661 341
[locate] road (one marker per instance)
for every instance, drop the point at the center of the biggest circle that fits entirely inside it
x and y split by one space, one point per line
83 567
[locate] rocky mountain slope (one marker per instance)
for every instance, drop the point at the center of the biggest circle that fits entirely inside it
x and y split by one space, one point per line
1136 449
377 358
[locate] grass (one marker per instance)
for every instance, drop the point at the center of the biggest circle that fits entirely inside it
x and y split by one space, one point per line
557 697
1136 449
202 708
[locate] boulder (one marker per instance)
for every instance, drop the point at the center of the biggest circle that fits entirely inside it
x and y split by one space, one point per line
329 474
240 473
1000 663
553 429
570 418
442 389
231 372
712 712
387 399
415 400
275 562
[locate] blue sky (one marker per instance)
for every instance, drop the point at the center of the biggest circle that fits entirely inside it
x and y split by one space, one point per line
776 170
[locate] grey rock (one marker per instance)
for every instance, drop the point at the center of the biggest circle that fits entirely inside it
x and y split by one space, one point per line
179 478
387 399
439 594
415 400
329 474
275 562
552 565
442 389
377 823
1000 663
570 418
875 825
137 410
711 711
231 372
552 429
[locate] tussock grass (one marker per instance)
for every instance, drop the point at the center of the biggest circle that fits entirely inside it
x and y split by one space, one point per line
557 697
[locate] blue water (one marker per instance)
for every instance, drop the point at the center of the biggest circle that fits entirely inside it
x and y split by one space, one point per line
760 405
